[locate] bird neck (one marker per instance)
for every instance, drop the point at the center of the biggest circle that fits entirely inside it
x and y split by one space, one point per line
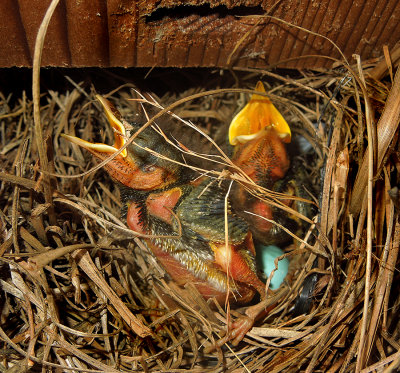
142 207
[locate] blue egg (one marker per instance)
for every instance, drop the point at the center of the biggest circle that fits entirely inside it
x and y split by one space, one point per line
265 256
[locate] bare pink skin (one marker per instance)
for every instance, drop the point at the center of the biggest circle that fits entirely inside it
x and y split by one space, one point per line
227 258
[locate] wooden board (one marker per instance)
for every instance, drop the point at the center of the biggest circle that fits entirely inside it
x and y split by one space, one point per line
247 33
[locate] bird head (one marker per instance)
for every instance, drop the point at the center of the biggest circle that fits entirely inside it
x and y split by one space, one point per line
257 118
259 134
146 164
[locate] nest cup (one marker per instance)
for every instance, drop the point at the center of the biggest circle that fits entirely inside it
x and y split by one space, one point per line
80 290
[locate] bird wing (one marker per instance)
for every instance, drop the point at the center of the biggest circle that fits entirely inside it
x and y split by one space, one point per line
203 212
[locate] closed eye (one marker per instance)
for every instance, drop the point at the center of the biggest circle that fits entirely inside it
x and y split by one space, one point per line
148 168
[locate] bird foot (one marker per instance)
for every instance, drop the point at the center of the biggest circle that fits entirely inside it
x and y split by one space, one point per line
242 325
235 333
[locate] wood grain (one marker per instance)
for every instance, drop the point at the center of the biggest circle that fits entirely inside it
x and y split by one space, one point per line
197 33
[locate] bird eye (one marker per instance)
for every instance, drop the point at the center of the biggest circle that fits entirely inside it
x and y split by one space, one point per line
148 168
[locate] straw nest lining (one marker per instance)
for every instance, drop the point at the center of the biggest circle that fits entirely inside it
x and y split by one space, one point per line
81 292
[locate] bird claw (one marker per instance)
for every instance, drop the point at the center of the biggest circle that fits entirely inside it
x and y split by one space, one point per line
239 328
235 334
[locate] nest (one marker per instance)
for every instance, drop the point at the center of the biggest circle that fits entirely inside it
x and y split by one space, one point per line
80 292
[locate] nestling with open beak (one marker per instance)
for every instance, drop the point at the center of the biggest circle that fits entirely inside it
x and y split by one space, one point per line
162 199
187 215
260 134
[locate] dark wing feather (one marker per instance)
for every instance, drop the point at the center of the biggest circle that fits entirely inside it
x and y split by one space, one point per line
203 211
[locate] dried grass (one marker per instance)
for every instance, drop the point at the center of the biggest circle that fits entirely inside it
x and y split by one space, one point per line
83 292
80 292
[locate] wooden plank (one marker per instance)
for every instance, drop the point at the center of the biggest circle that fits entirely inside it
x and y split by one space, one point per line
123 20
196 33
14 50
56 49
87 48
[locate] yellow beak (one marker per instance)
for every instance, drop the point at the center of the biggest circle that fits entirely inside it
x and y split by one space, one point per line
258 115
125 168
114 118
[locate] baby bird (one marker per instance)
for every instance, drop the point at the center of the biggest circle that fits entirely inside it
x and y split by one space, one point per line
259 135
184 217
197 232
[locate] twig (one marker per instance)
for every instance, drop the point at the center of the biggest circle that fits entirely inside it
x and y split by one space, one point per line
37 58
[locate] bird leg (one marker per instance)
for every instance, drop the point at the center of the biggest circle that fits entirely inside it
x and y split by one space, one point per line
238 329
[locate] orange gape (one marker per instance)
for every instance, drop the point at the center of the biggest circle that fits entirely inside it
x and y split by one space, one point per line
259 134
192 231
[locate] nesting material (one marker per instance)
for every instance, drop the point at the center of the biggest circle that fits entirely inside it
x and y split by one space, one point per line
80 291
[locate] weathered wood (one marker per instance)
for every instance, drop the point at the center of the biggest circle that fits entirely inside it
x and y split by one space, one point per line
197 32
